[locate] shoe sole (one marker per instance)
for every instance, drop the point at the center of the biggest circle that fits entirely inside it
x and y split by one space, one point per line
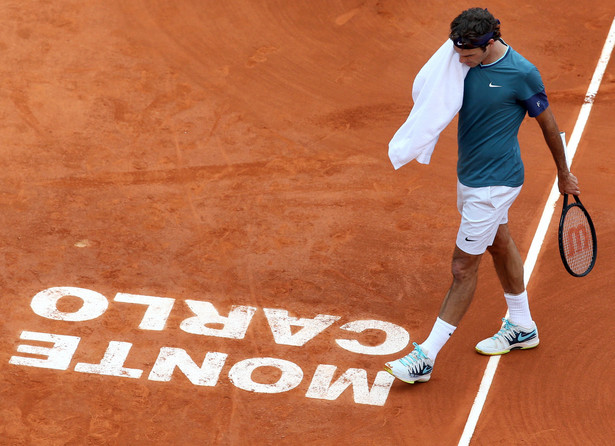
423 379
503 352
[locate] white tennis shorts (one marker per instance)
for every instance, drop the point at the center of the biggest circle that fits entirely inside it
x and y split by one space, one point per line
483 210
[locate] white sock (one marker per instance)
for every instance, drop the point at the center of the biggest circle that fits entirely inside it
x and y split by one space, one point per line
519 309
440 333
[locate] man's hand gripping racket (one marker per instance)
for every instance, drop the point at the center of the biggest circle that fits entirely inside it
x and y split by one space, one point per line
577 237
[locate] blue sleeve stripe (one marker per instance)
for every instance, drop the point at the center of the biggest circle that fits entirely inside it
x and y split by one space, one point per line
536 104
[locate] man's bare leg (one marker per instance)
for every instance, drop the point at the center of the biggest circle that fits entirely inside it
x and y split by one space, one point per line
460 294
507 261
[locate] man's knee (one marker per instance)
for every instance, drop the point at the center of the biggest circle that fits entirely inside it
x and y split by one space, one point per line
502 241
464 266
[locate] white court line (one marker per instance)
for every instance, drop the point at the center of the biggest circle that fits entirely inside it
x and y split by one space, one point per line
541 231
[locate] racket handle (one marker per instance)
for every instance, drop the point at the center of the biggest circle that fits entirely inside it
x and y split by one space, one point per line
576 198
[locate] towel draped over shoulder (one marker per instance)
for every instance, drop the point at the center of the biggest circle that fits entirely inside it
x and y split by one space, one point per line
437 93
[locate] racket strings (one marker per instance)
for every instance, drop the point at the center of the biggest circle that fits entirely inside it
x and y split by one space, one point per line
577 240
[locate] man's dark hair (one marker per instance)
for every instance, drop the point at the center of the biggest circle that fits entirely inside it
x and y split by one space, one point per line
473 28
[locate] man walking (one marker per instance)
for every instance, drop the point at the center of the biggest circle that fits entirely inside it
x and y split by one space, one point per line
499 89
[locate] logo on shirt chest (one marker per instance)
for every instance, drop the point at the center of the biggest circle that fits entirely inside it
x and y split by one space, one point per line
492 85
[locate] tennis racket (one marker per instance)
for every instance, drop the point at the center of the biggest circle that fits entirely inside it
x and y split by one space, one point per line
577 238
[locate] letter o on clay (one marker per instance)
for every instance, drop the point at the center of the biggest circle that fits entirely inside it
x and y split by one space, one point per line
45 304
241 375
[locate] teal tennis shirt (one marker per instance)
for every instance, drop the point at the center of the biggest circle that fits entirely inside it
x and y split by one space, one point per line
496 99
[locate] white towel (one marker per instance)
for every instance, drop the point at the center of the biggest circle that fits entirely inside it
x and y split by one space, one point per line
438 94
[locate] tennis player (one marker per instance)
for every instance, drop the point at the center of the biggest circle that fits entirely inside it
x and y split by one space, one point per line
500 88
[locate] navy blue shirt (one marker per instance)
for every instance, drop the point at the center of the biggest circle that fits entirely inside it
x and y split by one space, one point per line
496 99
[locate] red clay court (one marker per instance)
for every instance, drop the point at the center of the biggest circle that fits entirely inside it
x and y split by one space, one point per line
205 243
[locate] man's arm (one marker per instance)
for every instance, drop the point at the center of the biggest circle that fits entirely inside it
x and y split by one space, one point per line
567 182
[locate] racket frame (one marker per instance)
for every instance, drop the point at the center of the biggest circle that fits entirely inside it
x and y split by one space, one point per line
560 235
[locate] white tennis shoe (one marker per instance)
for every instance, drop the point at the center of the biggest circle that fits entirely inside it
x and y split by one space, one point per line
414 367
510 337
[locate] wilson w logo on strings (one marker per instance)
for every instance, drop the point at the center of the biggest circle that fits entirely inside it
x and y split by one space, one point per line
578 239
